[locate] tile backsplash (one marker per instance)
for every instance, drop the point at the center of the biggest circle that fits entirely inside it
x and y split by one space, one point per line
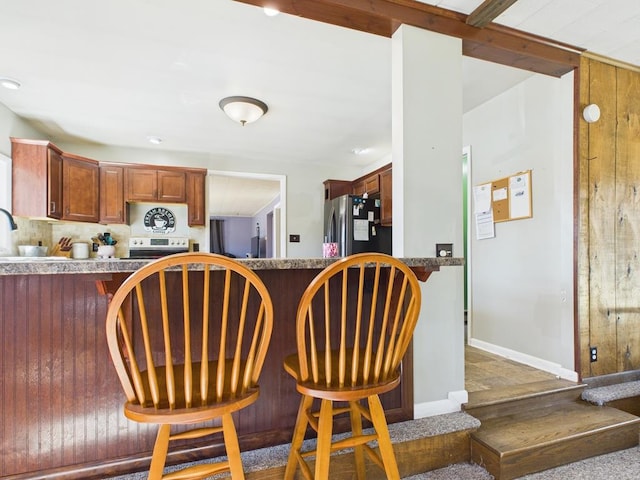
31 232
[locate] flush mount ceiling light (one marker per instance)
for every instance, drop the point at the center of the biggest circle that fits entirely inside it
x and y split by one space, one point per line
270 11
9 83
360 150
243 109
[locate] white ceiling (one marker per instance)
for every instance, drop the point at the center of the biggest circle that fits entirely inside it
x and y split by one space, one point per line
117 72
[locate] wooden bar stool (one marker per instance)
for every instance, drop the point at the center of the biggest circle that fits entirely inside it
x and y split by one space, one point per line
188 335
354 323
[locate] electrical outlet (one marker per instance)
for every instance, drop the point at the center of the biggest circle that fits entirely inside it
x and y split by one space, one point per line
593 354
294 238
444 249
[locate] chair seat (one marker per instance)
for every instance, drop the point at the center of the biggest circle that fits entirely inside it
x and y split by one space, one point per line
194 414
333 391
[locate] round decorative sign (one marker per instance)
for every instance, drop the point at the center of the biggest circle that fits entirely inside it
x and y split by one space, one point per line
159 220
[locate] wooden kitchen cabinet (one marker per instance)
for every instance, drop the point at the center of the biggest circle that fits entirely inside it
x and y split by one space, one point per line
36 179
172 186
369 185
151 185
80 189
376 184
386 198
336 188
196 198
112 205
48 183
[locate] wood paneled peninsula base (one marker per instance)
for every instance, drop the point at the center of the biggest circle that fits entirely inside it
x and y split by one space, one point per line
62 402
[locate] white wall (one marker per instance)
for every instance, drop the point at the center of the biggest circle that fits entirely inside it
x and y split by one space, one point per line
237 235
427 203
522 280
12 126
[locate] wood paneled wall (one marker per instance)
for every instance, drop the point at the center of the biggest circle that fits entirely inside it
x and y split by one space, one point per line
608 208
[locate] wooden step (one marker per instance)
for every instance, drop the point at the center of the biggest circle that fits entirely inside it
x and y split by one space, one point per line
535 439
512 399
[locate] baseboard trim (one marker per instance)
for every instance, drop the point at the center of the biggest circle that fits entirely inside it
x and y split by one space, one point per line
535 362
452 404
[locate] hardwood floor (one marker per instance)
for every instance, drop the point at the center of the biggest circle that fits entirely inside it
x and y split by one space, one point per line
485 371
532 421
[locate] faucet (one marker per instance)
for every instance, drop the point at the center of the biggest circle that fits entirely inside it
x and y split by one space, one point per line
12 222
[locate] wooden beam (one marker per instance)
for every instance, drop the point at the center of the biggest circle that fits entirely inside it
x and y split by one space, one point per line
494 43
487 12
342 16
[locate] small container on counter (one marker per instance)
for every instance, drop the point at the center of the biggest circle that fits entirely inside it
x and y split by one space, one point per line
106 251
80 250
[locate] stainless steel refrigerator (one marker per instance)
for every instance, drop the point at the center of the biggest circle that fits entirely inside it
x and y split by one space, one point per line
353 222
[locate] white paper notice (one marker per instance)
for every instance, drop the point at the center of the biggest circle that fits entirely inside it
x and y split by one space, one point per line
519 201
370 216
499 194
484 225
361 230
482 198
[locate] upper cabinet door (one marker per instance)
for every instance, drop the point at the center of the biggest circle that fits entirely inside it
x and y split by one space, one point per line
112 207
172 186
141 184
386 198
369 185
36 178
80 190
54 184
150 185
195 198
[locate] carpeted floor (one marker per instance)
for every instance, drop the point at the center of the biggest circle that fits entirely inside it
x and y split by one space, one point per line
622 465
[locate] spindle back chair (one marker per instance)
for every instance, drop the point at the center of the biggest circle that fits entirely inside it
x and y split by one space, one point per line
354 324
188 335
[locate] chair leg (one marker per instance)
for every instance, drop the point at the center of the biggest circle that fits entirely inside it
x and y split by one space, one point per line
356 430
384 440
298 437
160 449
232 447
323 448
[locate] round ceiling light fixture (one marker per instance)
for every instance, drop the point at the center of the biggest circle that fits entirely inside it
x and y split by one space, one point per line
9 83
243 109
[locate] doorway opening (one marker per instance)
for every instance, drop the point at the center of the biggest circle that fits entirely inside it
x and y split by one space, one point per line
240 201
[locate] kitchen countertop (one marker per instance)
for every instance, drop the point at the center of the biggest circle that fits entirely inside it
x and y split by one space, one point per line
102 266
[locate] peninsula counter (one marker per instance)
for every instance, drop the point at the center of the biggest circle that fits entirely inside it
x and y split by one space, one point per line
61 400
